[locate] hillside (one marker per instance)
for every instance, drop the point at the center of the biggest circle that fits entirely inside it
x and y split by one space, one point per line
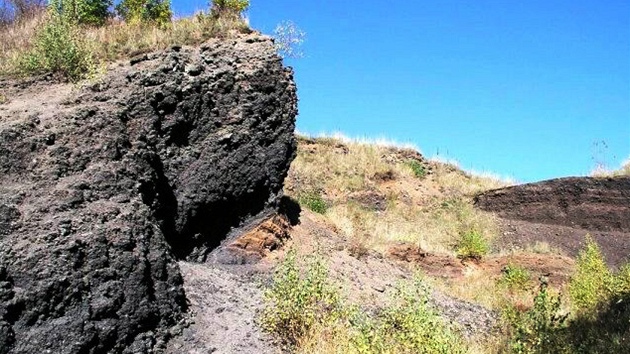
155 198
380 215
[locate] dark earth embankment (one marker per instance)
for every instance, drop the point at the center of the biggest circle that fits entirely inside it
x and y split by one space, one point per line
104 188
562 211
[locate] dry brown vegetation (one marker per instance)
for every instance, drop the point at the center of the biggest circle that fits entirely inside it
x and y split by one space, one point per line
116 39
623 170
380 197
375 198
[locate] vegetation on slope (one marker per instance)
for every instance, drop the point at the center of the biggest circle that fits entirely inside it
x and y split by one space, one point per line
74 38
308 314
377 196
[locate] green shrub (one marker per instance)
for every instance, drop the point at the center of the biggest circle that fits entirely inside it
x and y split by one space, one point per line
297 302
515 277
145 11
472 245
305 307
417 168
592 282
91 12
58 49
313 201
229 8
408 325
539 329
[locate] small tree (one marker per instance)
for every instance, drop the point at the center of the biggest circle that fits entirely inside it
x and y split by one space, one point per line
228 8
90 12
144 11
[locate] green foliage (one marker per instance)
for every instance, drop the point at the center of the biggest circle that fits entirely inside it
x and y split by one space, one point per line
515 277
408 325
539 329
600 313
592 282
145 11
90 12
472 245
313 201
58 49
3 99
229 8
299 301
417 168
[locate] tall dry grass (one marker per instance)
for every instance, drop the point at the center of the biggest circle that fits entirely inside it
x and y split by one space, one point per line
623 170
17 37
116 39
431 212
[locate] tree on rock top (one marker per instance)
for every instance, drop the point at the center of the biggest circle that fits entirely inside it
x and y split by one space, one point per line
90 12
229 8
142 11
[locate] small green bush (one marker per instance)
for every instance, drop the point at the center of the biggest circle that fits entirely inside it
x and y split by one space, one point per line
59 49
90 12
301 306
297 302
472 245
313 201
592 282
539 329
417 168
145 11
229 8
408 325
515 277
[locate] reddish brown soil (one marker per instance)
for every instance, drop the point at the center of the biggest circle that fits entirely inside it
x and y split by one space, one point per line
562 212
256 243
556 268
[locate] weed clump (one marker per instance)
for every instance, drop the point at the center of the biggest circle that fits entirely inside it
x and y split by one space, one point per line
313 201
598 318
305 311
297 302
515 277
593 281
472 245
58 48
417 168
537 329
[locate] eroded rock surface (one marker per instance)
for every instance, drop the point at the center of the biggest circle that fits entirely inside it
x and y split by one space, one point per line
102 189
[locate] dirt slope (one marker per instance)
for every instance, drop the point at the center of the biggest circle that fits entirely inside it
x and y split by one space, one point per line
561 212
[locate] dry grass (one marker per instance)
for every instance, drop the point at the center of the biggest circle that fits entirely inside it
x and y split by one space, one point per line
117 39
120 40
431 212
17 37
623 170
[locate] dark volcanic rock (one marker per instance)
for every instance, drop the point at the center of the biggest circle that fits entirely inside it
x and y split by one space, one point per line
101 190
601 204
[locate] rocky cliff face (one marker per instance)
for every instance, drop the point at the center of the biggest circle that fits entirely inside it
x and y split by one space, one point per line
601 204
104 188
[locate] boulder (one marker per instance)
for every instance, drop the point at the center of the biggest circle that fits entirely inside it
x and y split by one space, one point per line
104 188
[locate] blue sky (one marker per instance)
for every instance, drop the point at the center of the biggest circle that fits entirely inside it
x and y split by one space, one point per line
528 89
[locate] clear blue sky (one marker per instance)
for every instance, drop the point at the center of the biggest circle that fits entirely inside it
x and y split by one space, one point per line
520 88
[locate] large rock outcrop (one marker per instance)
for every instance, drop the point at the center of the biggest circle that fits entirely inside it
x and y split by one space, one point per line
104 188
589 203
